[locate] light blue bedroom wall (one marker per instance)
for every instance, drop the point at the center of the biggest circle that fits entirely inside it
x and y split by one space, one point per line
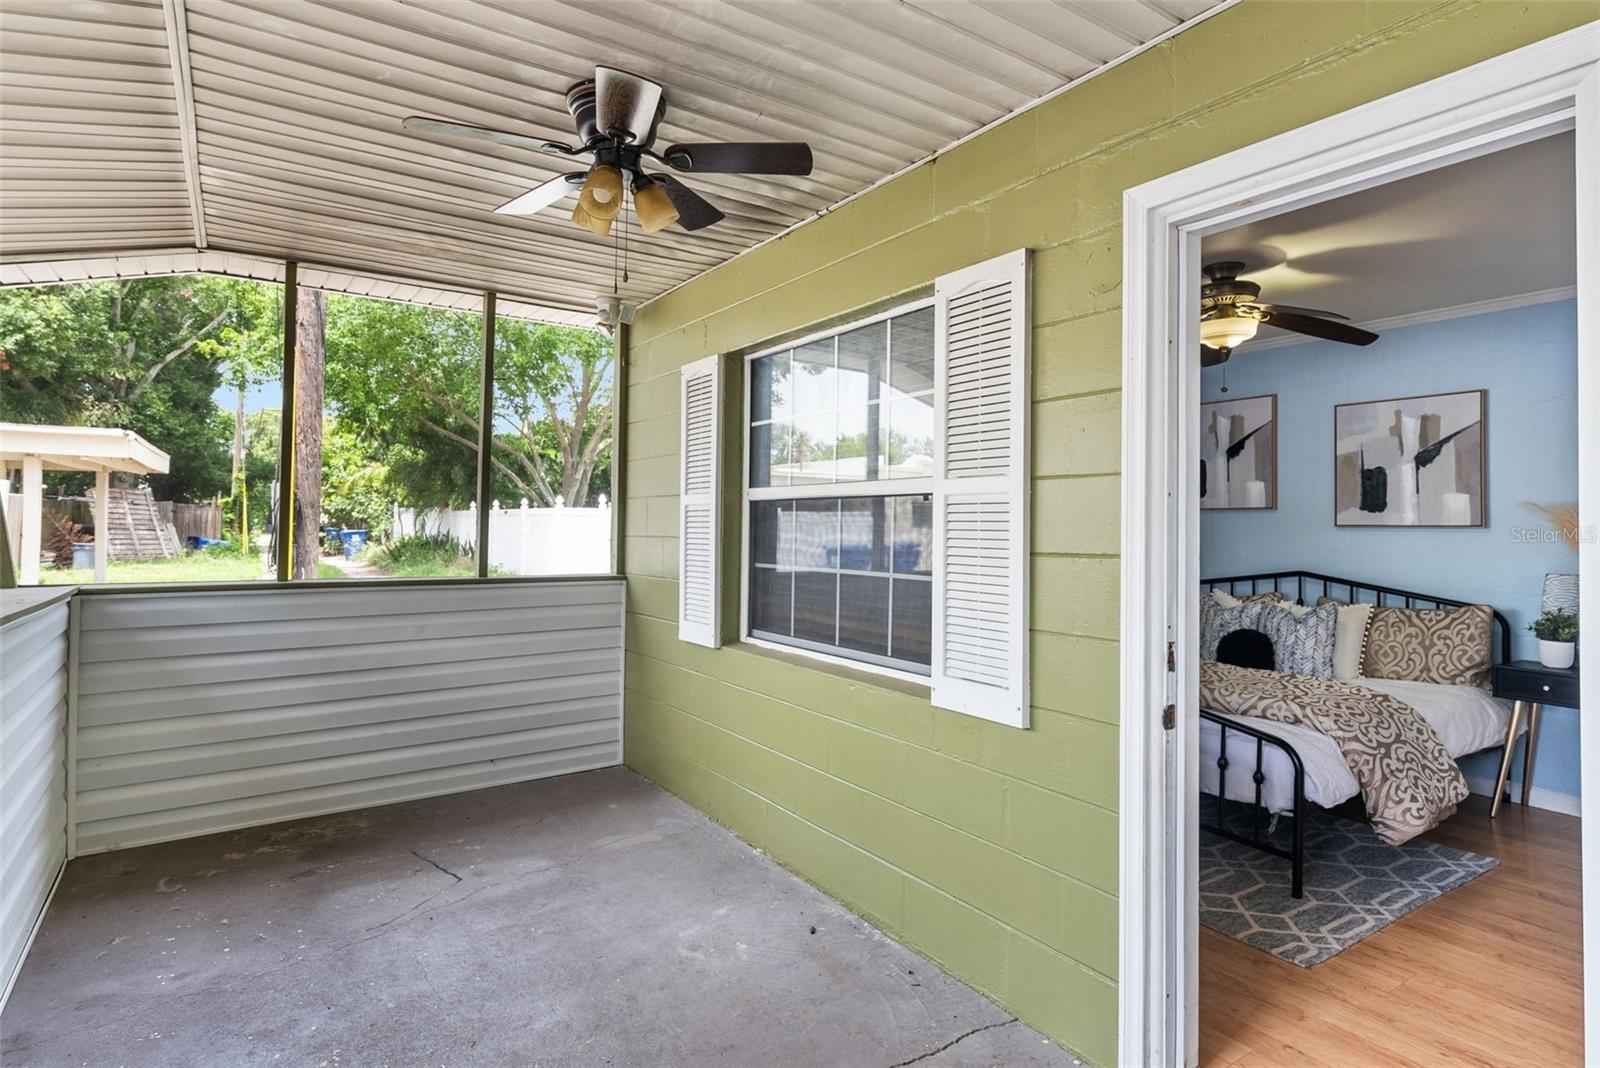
1527 359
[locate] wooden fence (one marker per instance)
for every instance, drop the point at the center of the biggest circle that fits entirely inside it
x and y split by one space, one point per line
203 520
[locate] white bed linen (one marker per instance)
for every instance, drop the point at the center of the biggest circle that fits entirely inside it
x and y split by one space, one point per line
1467 719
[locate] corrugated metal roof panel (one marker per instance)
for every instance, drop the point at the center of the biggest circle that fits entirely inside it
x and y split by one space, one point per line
299 151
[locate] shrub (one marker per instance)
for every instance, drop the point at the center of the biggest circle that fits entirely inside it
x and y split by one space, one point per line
418 556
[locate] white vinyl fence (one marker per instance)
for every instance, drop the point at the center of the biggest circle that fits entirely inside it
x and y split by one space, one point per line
524 540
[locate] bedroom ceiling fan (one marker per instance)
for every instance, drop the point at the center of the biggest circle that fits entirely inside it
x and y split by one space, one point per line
616 116
1231 313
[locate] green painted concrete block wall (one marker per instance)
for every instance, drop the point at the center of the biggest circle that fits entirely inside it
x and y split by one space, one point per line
991 850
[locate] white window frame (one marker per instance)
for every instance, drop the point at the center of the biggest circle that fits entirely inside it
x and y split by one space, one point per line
898 487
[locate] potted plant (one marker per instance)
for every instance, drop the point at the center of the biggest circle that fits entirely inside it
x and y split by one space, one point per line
1557 632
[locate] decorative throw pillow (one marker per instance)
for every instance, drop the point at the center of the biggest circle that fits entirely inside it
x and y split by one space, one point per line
1246 649
1302 643
1228 600
1217 622
1444 645
1349 637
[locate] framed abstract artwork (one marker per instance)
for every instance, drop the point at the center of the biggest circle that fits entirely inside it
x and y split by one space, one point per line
1239 453
1411 461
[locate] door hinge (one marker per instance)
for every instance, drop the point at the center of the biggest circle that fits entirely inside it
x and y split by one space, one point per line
1169 717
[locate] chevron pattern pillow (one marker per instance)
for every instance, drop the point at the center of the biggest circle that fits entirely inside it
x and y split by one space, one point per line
1302 642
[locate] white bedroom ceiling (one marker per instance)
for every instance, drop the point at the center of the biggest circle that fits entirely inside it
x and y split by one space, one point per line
271 128
1492 229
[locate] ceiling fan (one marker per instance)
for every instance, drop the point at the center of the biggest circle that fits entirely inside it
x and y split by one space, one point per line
616 115
1231 313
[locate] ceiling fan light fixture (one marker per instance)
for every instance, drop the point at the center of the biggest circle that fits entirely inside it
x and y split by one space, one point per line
599 225
655 208
602 190
1227 332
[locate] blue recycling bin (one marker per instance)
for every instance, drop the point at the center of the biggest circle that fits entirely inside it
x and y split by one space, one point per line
354 541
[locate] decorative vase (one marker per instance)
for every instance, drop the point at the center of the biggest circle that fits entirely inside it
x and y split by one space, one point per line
1557 654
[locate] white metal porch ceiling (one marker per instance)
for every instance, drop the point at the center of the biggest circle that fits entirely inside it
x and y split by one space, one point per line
271 128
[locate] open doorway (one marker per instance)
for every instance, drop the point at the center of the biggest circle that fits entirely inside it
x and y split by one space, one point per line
1388 486
1535 95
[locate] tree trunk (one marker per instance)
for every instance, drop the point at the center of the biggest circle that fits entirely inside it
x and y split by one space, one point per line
309 323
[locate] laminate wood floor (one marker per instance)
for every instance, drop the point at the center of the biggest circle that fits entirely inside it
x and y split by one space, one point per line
1489 974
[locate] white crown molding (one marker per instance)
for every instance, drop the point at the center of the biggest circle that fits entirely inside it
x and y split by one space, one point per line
1433 315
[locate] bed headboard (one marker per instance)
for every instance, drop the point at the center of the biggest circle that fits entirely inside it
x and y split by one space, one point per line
1297 584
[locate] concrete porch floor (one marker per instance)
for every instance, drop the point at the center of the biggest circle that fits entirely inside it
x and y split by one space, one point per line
588 920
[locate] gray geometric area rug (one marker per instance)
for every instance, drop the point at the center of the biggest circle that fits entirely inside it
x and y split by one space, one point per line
1355 885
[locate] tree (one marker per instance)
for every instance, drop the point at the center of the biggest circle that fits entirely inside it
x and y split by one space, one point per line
310 324
406 379
145 354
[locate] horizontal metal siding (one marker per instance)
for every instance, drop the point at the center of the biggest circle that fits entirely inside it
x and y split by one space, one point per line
205 711
33 775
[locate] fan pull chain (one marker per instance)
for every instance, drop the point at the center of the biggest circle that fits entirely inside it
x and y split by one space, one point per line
1224 378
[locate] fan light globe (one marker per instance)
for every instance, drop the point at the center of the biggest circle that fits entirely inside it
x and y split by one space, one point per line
599 225
604 187
655 208
1227 333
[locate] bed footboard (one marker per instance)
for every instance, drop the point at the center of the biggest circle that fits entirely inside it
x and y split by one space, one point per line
1257 837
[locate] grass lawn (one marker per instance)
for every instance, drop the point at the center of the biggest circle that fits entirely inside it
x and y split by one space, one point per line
194 567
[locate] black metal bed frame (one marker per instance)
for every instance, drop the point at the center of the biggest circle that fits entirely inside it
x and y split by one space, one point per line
1354 592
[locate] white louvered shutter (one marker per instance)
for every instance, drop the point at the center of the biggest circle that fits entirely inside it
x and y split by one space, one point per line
980 491
701 388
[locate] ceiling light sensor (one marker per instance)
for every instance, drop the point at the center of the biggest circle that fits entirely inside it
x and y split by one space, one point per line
611 310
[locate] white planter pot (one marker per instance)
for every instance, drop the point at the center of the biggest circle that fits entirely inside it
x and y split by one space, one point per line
1557 654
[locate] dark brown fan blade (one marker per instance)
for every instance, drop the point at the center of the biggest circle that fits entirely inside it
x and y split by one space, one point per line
1305 324
1210 357
1290 308
736 157
695 212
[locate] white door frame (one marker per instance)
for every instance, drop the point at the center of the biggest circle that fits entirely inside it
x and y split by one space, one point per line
1533 92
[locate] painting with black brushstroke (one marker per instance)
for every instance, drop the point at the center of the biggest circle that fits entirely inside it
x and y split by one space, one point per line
1411 462
1239 453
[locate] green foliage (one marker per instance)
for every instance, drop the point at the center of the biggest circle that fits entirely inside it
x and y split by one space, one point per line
191 567
144 354
421 556
1556 626
356 488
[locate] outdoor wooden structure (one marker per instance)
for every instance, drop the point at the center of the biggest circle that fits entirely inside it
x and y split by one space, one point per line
102 450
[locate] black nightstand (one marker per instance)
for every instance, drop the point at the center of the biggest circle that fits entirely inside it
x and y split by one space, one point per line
1528 685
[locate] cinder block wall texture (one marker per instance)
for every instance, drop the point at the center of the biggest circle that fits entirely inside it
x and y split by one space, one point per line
990 849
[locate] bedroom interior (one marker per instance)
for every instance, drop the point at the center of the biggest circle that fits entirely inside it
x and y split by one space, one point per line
1398 772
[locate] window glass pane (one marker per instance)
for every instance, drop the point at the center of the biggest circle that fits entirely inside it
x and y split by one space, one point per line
771 591
769 454
911 636
864 534
863 364
910 440
860 447
913 534
816 606
550 486
812 441
815 387
816 534
864 613
772 533
911 352
770 383
385 481
96 354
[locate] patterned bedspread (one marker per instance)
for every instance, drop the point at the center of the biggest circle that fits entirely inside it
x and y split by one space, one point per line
1408 779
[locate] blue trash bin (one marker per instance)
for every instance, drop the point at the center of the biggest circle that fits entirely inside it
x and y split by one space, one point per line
354 541
83 554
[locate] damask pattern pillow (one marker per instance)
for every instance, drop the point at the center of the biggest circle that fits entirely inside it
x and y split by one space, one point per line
1217 622
1451 646
1302 642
